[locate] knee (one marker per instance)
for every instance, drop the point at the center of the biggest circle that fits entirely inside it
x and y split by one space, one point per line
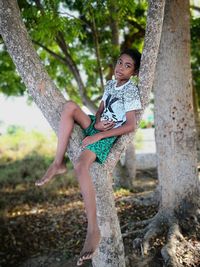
69 106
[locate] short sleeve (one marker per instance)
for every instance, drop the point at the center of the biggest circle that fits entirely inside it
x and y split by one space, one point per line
132 98
105 94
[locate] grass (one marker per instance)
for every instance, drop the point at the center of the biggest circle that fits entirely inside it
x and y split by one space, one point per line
39 221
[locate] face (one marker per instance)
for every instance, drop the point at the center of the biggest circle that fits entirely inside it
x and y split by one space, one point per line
124 68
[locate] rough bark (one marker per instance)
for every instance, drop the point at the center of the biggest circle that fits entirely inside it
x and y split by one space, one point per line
174 113
175 144
130 162
125 171
50 101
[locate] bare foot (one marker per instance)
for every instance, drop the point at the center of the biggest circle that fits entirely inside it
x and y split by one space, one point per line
91 243
52 171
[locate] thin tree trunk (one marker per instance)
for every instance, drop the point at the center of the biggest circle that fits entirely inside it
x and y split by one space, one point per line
125 171
97 48
50 101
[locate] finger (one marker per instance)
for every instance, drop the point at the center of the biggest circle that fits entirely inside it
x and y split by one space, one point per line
106 122
110 125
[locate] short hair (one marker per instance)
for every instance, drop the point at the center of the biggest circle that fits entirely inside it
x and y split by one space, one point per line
135 55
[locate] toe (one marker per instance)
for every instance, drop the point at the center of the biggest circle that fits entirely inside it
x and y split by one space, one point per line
38 183
79 262
84 256
88 255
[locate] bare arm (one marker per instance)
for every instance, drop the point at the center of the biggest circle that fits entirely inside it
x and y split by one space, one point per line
102 125
99 112
127 127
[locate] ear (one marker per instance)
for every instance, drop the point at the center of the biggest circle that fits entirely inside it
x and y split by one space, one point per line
135 72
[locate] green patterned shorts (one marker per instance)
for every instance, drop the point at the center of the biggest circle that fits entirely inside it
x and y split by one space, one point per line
102 147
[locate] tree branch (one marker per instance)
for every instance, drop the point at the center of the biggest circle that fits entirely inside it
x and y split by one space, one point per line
136 25
97 48
196 8
114 26
69 62
56 56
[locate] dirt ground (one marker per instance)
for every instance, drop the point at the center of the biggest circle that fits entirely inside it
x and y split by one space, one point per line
48 228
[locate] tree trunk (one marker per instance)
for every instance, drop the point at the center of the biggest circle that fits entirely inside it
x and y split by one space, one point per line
175 142
50 101
174 114
125 171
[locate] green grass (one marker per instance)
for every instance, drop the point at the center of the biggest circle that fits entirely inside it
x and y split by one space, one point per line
25 156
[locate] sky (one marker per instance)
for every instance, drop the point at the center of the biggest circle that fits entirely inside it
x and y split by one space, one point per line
15 110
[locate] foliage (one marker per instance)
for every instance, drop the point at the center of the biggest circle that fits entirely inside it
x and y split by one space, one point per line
74 21
77 23
18 144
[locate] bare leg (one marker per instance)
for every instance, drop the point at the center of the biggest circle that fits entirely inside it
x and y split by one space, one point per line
88 192
71 113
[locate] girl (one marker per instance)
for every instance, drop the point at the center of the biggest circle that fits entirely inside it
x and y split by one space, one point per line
115 116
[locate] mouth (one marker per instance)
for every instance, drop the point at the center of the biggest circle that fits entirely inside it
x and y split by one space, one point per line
119 73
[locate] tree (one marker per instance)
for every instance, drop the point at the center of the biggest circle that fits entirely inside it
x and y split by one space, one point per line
50 101
178 214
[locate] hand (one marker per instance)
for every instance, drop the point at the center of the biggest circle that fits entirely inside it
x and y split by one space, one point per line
91 139
104 125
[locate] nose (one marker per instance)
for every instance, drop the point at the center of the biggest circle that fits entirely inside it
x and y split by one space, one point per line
121 67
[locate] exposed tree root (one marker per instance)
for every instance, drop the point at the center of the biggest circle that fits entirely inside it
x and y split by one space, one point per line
136 224
147 200
178 251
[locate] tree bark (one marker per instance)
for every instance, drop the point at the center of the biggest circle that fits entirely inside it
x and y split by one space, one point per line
174 113
175 142
125 171
50 101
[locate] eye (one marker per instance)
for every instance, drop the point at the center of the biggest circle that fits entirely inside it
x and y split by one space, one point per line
119 62
127 66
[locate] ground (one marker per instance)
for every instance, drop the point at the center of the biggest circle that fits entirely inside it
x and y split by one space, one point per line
46 227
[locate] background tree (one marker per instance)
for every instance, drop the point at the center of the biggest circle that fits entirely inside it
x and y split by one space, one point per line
178 216
50 101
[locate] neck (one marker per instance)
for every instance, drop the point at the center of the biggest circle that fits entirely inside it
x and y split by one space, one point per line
121 82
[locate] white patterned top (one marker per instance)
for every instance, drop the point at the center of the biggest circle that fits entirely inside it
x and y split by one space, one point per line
119 100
